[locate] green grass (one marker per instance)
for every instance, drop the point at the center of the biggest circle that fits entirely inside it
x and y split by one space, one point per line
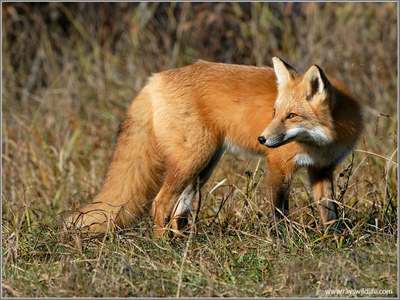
65 92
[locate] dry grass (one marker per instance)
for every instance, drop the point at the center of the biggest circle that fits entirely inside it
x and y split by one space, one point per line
69 72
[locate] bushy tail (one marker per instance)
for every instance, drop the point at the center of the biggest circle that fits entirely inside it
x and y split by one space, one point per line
134 175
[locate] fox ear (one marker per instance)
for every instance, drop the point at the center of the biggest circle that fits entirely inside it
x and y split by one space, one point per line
316 81
283 71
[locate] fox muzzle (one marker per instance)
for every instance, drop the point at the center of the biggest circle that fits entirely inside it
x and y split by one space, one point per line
273 141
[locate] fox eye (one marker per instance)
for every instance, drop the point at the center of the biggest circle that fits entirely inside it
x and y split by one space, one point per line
273 113
291 115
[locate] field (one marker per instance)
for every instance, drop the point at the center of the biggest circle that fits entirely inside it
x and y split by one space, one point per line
69 72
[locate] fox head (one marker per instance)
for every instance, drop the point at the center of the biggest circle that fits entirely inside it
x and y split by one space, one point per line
302 110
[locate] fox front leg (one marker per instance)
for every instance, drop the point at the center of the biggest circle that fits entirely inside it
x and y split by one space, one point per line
278 181
278 194
321 180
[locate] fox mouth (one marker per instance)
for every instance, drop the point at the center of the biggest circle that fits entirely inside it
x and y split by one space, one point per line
277 140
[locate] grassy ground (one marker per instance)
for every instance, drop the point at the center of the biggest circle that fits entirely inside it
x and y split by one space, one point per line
68 76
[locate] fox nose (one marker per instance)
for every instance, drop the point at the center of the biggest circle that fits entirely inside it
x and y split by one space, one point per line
262 140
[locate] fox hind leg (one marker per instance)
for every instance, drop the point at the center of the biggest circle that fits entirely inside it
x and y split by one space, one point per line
184 204
181 183
183 208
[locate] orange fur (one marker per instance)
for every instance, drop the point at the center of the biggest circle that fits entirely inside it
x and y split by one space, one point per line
182 121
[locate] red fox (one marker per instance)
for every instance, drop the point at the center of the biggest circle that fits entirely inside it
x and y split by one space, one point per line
184 119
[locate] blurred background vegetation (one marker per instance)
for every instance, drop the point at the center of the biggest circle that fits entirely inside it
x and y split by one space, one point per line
71 69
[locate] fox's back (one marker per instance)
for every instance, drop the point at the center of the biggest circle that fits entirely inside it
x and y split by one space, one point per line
236 100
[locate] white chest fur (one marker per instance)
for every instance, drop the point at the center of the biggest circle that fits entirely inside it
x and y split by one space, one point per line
303 160
322 156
